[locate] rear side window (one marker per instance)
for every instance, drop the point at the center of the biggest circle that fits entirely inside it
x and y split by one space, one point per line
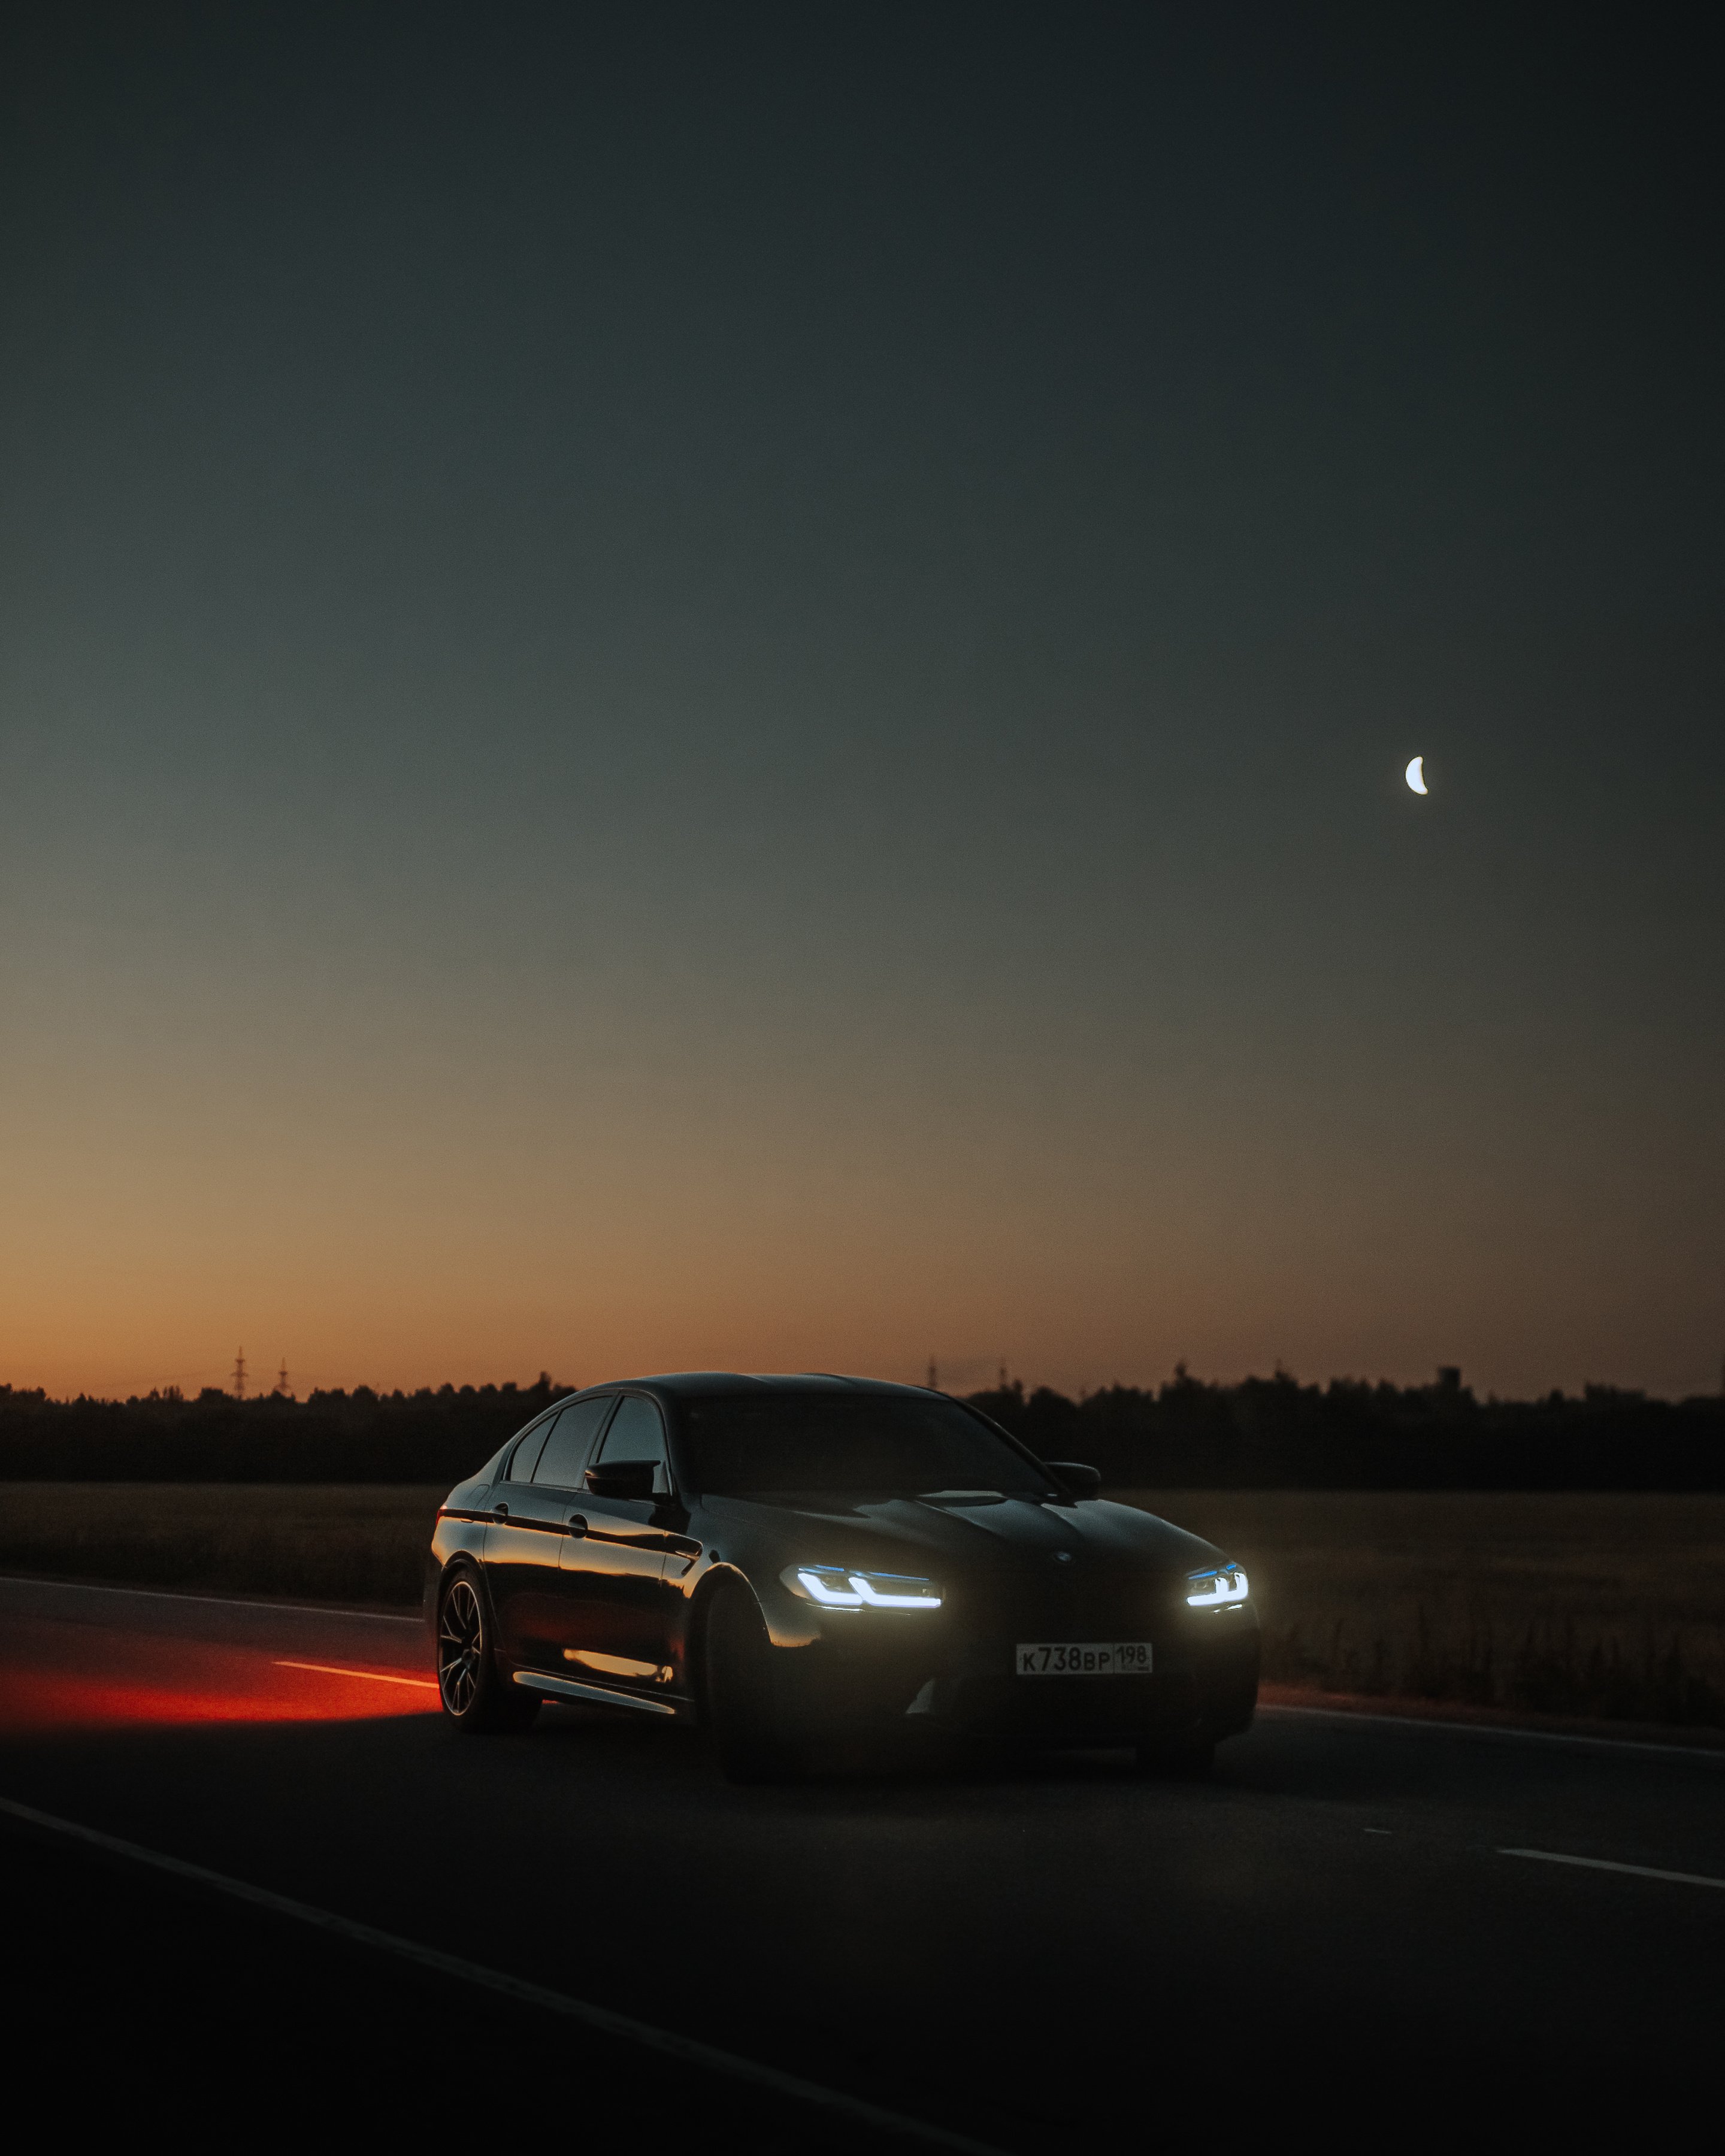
637 1433
564 1458
520 1465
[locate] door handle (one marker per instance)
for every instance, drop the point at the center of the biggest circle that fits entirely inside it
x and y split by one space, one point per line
577 1525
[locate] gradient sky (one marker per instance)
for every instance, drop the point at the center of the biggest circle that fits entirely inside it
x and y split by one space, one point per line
692 685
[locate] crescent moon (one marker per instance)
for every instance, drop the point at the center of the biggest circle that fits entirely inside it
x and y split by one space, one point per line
1415 776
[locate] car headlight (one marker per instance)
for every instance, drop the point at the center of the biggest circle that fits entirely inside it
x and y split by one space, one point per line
837 1587
1216 1588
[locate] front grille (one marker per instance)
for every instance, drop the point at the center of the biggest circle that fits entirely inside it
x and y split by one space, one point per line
1070 1602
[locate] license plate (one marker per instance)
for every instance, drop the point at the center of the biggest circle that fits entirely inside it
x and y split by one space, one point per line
1084 1658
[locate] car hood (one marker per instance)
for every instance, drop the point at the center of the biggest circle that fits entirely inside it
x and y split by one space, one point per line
965 1531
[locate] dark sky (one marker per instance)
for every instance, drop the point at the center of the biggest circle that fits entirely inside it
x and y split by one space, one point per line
728 686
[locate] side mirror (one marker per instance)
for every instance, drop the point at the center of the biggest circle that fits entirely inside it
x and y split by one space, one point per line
622 1478
1081 1480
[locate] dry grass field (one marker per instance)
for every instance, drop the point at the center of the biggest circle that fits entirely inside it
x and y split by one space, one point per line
347 1542
1589 1603
1593 1604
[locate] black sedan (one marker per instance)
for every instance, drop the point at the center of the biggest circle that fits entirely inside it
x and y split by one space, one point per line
795 1559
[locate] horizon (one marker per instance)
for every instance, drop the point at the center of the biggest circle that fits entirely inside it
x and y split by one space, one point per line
1445 1379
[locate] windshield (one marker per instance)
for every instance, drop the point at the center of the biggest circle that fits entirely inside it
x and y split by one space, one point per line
861 1443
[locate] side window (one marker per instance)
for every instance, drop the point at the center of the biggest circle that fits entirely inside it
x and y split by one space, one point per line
521 1465
567 1448
636 1433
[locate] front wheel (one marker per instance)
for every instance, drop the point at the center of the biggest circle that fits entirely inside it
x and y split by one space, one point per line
743 1709
476 1699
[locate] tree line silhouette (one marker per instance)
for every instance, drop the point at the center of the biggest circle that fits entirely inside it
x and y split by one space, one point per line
360 1436
1263 1433
1276 1434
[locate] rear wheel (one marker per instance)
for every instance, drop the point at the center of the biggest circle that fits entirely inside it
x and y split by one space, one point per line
475 1698
743 1709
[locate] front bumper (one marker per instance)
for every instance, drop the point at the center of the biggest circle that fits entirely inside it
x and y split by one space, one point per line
882 1673
1214 1691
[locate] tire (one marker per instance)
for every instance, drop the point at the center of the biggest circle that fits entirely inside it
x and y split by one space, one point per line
1189 1760
743 1710
475 1698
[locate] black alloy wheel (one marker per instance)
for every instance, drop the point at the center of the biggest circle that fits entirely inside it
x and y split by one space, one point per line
476 1699
743 1711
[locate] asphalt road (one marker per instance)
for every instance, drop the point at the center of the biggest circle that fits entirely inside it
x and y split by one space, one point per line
1030 1954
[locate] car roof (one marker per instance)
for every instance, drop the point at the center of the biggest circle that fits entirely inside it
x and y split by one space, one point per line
682 1384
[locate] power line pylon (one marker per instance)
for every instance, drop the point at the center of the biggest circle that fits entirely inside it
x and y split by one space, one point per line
284 1391
239 1374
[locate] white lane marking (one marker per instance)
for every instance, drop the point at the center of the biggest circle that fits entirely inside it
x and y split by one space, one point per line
371 1677
688 2049
1604 1864
1498 1729
219 1601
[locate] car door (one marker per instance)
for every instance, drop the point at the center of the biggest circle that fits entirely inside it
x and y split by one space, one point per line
619 1609
558 1501
528 1526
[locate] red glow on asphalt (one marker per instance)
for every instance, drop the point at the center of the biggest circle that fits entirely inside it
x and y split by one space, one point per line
87 1677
